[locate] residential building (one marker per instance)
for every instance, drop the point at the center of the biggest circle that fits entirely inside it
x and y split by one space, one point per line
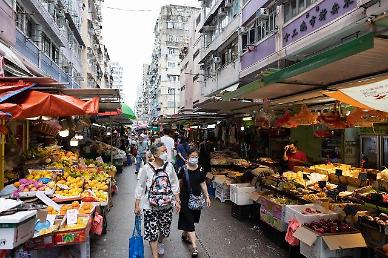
48 38
219 59
142 100
117 76
171 35
291 48
191 77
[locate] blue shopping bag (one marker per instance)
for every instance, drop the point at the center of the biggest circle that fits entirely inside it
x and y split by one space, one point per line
136 247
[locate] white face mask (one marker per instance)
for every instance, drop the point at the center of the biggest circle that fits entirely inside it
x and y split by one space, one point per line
193 161
163 156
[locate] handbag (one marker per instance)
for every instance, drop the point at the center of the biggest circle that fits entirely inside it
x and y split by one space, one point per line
136 247
196 202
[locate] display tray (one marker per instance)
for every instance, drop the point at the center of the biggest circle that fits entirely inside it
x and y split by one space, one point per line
364 222
33 193
66 199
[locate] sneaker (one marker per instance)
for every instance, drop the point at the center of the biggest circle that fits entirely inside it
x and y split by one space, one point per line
194 254
161 248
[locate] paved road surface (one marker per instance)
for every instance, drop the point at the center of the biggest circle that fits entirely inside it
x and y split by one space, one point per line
220 234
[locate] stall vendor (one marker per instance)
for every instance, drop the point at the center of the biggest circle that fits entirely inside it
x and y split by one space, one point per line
293 156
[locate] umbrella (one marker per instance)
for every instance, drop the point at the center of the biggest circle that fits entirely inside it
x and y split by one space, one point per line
127 112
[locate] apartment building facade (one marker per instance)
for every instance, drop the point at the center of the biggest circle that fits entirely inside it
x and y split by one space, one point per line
171 35
47 38
143 100
117 77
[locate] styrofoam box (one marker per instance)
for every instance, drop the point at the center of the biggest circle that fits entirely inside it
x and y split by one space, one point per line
295 211
16 229
240 193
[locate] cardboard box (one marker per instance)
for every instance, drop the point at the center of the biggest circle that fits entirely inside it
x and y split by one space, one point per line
267 217
341 245
16 229
72 236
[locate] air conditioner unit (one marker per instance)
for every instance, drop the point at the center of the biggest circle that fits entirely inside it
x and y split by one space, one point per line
222 12
217 59
228 3
262 13
367 3
202 67
51 8
209 28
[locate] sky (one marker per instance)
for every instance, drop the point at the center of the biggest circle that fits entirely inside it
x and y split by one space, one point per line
128 35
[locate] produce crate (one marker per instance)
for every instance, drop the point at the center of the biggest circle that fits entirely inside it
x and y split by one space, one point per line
245 212
240 193
373 233
76 236
267 217
222 192
295 211
277 210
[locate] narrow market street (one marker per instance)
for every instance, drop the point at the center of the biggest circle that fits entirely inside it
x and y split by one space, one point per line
220 235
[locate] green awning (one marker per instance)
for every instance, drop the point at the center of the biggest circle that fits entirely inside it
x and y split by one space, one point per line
127 112
319 70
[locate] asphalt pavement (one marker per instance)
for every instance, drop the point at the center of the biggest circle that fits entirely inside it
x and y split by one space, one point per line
220 235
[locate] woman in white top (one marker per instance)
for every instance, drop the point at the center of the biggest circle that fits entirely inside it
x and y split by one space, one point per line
158 188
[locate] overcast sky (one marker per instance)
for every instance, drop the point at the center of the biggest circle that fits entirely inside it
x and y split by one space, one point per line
129 36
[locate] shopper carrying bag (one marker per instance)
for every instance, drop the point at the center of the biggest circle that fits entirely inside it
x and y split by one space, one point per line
136 247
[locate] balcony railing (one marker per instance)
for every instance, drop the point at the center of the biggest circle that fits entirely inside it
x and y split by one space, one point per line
27 48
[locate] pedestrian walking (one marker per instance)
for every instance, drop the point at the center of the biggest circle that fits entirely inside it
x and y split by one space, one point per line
193 196
158 188
141 152
182 149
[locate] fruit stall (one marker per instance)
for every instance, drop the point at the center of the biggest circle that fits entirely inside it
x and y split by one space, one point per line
66 197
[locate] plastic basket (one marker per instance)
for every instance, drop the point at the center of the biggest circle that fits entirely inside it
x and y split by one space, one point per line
295 211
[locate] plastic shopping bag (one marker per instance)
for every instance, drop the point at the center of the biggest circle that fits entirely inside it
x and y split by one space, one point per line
136 247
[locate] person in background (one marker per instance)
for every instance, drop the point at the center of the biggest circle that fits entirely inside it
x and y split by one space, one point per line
158 193
168 141
205 149
187 217
182 149
294 156
141 152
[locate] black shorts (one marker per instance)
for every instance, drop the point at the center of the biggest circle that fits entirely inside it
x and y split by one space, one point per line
187 219
157 223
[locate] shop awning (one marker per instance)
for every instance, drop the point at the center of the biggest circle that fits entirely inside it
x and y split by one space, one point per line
127 111
10 89
10 55
370 96
227 107
111 113
357 58
34 104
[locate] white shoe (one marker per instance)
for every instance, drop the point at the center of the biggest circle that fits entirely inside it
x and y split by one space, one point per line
161 248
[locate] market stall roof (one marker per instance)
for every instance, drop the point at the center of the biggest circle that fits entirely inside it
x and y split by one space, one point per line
127 112
227 107
34 104
41 83
10 89
357 58
193 117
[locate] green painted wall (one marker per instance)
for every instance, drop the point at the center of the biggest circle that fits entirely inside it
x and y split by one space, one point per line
307 142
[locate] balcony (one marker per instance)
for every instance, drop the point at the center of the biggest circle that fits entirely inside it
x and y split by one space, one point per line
250 9
210 14
225 77
262 50
221 38
27 48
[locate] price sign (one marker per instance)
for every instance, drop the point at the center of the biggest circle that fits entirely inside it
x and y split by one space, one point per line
71 216
333 194
350 210
322 184
338 172
376 198
363 176
342 188
306 177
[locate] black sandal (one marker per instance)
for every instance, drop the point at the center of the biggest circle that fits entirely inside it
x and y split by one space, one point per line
186 239
194 254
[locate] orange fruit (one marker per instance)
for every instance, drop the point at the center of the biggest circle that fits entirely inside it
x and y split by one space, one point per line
16 184
50 209
75 204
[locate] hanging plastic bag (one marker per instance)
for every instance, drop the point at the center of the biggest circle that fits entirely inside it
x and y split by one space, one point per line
136 247
293 225
97 224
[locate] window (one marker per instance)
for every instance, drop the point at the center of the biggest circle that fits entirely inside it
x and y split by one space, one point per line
195 77
170 38
171 65
170 25
170 104
170 91
173 78
20 17
196 54
30 28
55 54
294 7
46 44
172 51
198 20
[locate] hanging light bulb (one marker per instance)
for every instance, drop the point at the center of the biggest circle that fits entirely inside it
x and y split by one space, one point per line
73 142
64 133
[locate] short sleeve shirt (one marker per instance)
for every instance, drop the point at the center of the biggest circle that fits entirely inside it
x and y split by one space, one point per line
196 177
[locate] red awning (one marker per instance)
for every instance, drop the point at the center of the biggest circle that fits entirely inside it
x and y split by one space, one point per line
9 89
36 103
111 113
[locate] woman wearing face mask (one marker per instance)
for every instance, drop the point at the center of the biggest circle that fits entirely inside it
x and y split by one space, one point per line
158 189
193 184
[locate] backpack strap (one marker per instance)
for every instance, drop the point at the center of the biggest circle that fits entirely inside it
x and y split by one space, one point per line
187 179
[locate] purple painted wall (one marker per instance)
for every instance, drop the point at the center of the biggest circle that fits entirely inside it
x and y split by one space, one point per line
7 23
316 17
250 9
262 50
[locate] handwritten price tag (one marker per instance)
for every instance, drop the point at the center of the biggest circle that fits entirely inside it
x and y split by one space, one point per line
72 216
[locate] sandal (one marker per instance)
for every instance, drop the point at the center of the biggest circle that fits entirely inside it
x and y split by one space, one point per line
186 239
194 254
